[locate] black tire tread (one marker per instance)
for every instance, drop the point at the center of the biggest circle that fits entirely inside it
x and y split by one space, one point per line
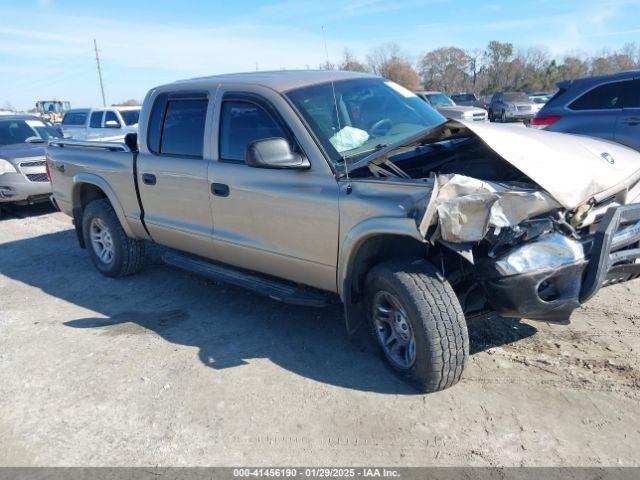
133 250
442 321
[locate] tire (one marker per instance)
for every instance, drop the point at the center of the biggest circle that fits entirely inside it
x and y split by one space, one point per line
127 254
503 117
491 117
434 317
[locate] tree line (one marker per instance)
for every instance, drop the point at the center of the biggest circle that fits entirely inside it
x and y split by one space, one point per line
499 67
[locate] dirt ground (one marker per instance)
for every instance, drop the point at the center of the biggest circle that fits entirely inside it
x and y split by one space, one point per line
165 368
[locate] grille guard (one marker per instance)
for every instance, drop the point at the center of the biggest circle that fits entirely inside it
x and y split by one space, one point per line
601 270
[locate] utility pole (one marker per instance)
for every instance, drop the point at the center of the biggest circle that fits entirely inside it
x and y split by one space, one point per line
95 47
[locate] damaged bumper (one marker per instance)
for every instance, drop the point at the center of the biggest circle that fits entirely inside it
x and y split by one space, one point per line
547 279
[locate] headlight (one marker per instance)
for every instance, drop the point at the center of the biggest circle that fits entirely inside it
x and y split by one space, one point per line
6 167
511 108
549 252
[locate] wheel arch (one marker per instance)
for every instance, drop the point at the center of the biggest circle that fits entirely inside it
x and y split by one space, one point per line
367 245
88 187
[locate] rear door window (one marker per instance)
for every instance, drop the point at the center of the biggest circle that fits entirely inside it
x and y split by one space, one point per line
110 116
96 120
74 119
183 127
604 97
243 122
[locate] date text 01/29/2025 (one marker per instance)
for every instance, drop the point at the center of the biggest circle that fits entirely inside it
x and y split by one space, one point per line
316 472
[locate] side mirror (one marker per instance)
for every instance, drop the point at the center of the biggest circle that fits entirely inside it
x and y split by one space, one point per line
111 124
274 153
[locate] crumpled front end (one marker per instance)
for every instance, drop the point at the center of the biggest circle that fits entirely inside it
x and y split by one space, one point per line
528 258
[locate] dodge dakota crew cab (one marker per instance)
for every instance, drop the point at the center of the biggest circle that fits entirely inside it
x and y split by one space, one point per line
311 187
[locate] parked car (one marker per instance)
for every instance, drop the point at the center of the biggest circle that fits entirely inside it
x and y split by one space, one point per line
104 123
314 186
508 106
447 107
539 100
607 107
469 100
23 177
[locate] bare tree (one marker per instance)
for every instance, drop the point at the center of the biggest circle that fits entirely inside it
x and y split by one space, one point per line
447 69
389 62
351 63
132 102
498 57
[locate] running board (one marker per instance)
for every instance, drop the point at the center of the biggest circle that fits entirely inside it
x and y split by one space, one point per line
272 288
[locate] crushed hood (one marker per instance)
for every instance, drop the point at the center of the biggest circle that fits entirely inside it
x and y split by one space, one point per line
571 168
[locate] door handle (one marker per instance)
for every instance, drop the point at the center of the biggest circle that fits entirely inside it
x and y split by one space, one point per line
632 121
220 189
148 179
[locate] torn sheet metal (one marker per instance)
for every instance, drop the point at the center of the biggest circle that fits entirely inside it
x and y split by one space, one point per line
464 208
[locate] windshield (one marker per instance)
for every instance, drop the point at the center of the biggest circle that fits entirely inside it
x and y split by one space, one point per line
366 115
516 97
52 107
21 131
440 100
130 117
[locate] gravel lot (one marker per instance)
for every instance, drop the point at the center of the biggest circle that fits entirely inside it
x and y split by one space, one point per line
168 369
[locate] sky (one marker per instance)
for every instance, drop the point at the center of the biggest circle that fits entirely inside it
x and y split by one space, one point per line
46 46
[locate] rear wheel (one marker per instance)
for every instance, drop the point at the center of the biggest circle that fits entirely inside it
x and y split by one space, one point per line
417 322
503 118
111 251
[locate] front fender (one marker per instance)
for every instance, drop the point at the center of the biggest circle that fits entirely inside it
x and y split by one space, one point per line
357 236
93 179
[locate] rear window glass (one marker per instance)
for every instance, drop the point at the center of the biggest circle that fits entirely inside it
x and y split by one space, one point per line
516 97
96 120
605 97
183 128
74 118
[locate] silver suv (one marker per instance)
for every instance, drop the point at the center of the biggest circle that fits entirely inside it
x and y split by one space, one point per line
508 106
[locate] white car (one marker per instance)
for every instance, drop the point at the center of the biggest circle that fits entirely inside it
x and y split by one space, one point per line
102 123
539 100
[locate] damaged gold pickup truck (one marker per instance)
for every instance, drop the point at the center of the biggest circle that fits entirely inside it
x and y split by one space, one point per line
315 186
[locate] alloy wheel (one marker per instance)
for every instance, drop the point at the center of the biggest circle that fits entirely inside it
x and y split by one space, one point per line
393 330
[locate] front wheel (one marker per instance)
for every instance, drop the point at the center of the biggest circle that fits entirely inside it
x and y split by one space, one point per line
417 321
111 251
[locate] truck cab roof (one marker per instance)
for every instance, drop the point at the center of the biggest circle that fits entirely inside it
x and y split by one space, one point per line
280 81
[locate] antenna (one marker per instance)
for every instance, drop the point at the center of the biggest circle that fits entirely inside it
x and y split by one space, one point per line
326 50
335 104
95 48
344 160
